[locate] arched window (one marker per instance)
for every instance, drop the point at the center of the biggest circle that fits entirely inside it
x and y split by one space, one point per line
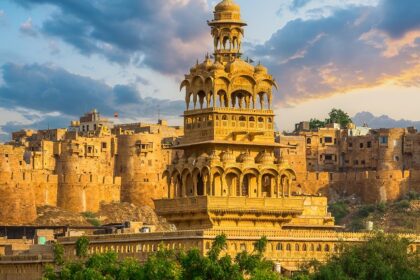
318 248
304 248
252 119
288 247
260 119
327 248
270 120
279 247
242 118
224 118
297 247
309 141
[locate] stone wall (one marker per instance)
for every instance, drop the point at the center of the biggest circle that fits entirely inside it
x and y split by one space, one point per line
140 164
370 186
17 198
85 193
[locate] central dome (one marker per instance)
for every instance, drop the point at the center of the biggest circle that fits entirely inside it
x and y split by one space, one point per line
227 6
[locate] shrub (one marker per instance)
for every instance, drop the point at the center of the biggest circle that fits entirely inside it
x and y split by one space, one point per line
339 210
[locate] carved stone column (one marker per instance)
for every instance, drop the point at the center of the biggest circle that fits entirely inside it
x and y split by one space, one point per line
195 186
259 186
205 180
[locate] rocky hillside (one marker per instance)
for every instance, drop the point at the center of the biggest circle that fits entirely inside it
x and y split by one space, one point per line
400 216
109 213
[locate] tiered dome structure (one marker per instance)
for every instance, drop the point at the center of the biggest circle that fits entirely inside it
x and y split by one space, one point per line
229 117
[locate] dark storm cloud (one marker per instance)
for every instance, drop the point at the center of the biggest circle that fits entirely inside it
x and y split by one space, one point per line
51 89
161 34
400 16
336 54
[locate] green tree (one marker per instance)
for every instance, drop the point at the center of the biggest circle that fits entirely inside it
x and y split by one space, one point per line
339 210
58 250
254 265
315 124
82 247
340 117
168 265
162 265
384 257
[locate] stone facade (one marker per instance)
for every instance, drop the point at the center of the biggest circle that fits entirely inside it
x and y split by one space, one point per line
229 175
232 176
79 168
374 164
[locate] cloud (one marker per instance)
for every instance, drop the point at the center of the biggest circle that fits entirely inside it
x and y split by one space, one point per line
400 17
53 47
350 49
165 35
46 89
296 4
27 28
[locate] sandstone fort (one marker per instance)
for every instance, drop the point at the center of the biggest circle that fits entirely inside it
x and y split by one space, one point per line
225 171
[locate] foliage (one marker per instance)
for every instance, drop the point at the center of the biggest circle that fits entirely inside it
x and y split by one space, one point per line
91 218
382 207
339 210
403 204
58 250
89 215
315 124
162 265
366 210
82 247
340 117
335 116
169 265
382 257
412 195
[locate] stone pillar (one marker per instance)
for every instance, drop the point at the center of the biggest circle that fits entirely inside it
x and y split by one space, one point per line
241 182
195 186
289 187
277 187
214 100
211 185
205 185
259 186
222 186
272 186
184 188
282 182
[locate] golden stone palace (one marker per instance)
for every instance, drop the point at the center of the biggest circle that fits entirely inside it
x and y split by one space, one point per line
229 178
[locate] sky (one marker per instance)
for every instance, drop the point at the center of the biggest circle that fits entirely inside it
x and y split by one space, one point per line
60 59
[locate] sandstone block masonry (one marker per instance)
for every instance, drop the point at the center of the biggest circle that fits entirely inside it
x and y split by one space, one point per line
79 168
373 164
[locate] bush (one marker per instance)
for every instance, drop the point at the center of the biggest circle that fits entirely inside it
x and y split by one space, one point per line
382 207
89 215
169 265
339 210
381 257
412 195
403 204
365 211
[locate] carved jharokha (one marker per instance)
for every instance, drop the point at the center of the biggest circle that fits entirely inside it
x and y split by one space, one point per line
229 146
228 179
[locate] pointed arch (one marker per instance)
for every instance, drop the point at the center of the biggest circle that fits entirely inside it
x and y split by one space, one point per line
185 83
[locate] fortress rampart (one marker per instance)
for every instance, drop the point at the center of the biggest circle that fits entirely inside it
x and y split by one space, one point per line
370 186
82 193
